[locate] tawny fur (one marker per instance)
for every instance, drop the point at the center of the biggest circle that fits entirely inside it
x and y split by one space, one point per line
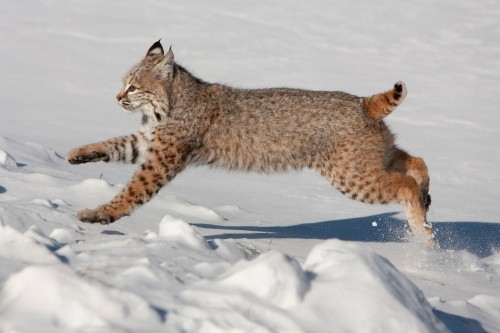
380 105
188 121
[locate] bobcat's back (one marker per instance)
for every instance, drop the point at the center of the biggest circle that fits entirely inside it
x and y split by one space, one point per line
277 129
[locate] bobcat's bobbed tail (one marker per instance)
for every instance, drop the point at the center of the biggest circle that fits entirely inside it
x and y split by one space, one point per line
380 105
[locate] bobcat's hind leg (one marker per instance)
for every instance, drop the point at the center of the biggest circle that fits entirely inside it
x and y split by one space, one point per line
404 189
366 179
393 187
406 164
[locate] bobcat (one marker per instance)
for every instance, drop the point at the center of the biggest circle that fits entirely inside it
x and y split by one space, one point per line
188 121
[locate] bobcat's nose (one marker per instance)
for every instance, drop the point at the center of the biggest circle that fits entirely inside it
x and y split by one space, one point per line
119 97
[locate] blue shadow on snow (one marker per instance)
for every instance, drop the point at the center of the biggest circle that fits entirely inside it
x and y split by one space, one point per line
458 324
479 238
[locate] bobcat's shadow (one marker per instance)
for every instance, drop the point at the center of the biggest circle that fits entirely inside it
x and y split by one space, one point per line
478 238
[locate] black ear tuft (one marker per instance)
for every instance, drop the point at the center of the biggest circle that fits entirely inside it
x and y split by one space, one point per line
155 49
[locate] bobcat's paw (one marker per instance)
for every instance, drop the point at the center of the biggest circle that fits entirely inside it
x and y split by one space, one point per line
82 155
95 216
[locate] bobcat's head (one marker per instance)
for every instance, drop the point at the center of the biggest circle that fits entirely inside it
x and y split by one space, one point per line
144 86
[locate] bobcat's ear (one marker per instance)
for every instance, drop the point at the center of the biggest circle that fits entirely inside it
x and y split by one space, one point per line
168 59
155 50
166 65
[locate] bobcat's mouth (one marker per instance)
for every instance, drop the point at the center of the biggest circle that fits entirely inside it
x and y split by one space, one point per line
127 106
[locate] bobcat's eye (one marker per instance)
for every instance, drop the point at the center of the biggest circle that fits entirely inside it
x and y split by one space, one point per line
132 88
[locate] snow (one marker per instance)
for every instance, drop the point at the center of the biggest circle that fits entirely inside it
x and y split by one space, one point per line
272 276
68 302
347 272
224 251
6 159
177 231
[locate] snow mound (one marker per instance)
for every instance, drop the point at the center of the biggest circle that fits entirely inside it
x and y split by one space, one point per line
229 249
6 159
68 302
27 248
273 276
178 231
28 153
349 280
229 209
214 310
45 202
481 312
98 184
91 188
342 287
487 306
35 233
62 236
185 208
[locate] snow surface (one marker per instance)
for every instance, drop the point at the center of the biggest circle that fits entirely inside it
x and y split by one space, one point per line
220 251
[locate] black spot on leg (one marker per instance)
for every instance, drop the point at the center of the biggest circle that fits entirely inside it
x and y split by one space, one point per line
159 183
135 150
157 116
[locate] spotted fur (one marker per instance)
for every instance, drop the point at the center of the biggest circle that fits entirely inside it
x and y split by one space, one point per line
188 121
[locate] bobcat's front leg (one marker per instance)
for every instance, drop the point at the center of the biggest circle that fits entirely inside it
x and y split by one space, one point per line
129 149
167 156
